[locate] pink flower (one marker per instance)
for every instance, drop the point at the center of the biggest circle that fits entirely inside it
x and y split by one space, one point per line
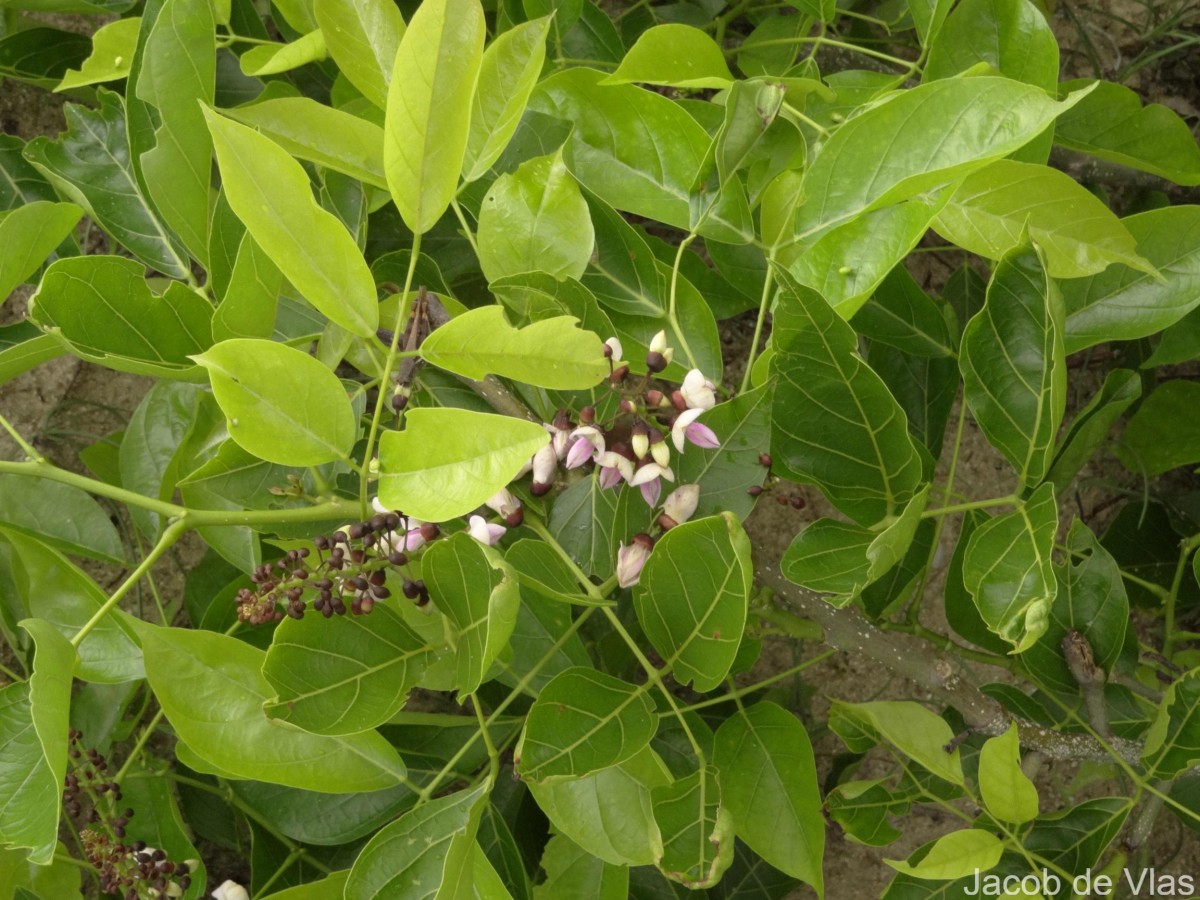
613 469
485 532
698 433
587 443
647 478
631 559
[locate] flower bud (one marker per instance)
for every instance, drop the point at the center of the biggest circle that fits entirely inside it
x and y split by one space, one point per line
681 503
545 462
659 451
640 440
619 374
587 415
658 343
230 890
631 559
655 398
613 349
503 503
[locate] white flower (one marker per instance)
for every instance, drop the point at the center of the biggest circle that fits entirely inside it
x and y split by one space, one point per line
698 392
545 463
484 532
616 351
230 890
681 503
503 503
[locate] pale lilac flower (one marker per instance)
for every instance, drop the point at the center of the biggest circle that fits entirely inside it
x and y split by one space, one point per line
506 506
413 539
587 443
631 559
230 890
647 478
698 392
560 440
545 462
485 532
681 503
613 469
698 433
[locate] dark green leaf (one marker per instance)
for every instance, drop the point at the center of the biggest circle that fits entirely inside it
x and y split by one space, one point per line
697 829
1091 426
572 871
726 473
1164 433
41 56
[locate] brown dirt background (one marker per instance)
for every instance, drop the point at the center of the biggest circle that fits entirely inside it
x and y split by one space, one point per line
64 405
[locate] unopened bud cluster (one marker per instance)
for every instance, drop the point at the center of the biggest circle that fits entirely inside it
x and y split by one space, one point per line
129 870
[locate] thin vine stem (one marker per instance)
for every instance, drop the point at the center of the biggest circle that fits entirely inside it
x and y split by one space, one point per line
763 302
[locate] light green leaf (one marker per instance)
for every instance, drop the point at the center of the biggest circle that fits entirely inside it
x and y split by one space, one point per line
1011 36
1007 792
59 879
909 727
1123 304
1008 571
78 525
939 132
330 886
54 590
429 108
861 456
20 354
551 353
273 58
1078 235
955 855
344 675
1173 741
363 36
479 594
270 391
582 520
849 262
423 852
174 72
321 134
447 462
509 70
768 778
692 598
642 153
212 689
112 53
251 299
1014 364
28 235
842 558
1091 425
1111 124
270 193
696 827
572 871
583 721
750 109
928 16
90 164
674 55
610 812
535 219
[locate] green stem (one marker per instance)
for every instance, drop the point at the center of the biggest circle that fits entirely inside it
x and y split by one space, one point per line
738 693
467 232
287 863
830 42
9 673
811 123
173 532
788 622
142 740
493 754
1185 551
974 504
30 450
543 532
405 306
763 303
671 317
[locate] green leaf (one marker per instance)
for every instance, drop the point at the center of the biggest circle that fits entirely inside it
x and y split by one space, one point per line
1078 235
676 56
273 58
582 521
90 164
40 56
1008 571
1164 432
1124 304
862 809
692 598
849 262
1091 425
583 721
447 462
726 473
212 689
251 298
1075 838
329 137
423 852
861 455
1173 741
112 53
1011 36
78 525
955 855
1014 365
750 109
641 153
59 879
1111 124
909 727
697 829
474 589
938 133
173 74
20 182
903 316
535 219
842 558
928 17
269 390
33 745
540 569
610 812
429 108
54 590
363 36
28 235
572 871
101 307
344 675
507 75
157 820
1007 792
768 780
270 193
22 355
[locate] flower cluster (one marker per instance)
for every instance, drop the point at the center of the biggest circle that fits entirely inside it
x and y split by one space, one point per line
130 870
